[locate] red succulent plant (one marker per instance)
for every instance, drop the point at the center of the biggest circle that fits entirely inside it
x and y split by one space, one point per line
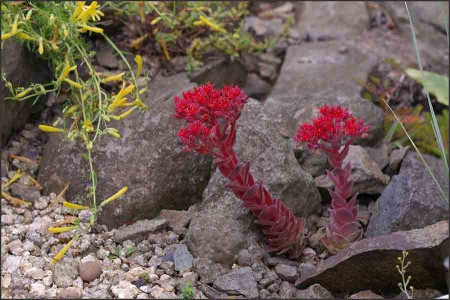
333 131
210 128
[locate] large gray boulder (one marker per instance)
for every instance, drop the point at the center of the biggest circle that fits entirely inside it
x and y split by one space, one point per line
20 68
220 227
412 199
147 158
370 263
317 73
323 20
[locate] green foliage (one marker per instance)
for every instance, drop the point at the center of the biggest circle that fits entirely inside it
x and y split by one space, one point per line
211 25
433 83
401 268
188 292
130 250
55 31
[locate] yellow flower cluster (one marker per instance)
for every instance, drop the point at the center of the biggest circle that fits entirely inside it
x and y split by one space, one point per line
83 14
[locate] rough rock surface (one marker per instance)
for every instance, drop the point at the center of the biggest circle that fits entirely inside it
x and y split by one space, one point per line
427 249
315 291
366 173
139 230
148 159
21 68
220 227
90 270
317 73
409 194
238 282
332 20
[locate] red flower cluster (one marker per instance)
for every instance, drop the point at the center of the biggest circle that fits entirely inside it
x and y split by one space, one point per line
334 127
211 117
209 113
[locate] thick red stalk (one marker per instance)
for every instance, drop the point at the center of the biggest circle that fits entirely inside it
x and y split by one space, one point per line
333 129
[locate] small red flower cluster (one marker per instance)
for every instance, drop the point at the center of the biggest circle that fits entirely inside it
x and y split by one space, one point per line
208 112
334 127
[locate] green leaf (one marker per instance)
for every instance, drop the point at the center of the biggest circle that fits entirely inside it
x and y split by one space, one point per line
432 82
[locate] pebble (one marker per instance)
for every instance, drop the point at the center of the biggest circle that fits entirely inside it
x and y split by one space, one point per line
90 270
125 290
8 219
37 290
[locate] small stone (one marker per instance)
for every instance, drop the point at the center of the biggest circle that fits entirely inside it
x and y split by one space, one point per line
275 260
138 230
273 288
244 258
125 290
155 261
238 282
37 290
70 293
365 295
315 291
395 159
28 246
8 219
26 192
35 273
287 290
207 269
15 247
90 270
65 272
288 273
41 203
182 258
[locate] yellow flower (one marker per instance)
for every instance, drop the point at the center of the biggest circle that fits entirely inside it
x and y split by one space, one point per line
23 93
91 28
156 20
136 44
141 11
64 250
162 43
140 104
115 196
90 12
138 60
47 128
7 36
113 78
70 110
66 32
61 229
24 36
28 17
124 115
14 178
41 46
73 83
66 70
88 126
52 19
78 10
14 27
114 134
213 26
74 206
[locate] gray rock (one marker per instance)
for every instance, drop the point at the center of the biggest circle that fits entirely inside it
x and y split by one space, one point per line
139 230
332 20
207 269
314 74
256 88
220 227
238 282
150 161
182 258
90 270
211 293
70 293
26 192
379 154
427 249
287 290
20 68
286 272
272 261
177 219
220 71
37 290
244 258
366 174
261 28
395 159
367 294
106 56
125 290
315 291
411 193
65 272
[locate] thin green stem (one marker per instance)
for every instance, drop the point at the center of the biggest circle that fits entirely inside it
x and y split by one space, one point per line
126 62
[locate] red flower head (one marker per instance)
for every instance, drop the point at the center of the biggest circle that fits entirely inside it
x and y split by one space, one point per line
209 113
333 128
